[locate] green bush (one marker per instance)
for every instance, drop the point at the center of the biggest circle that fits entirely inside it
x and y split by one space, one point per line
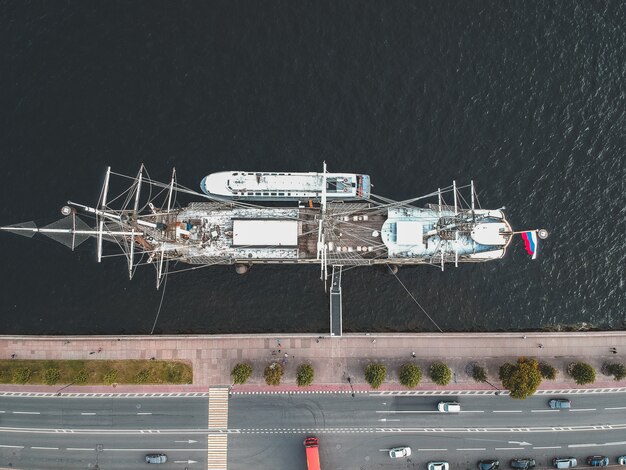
143 376
273 373
582 373
241 373
51 376
305 375
21 375
547 371
410 375
479 374
110 377
521 379
440 373
617 370
81 377
375 374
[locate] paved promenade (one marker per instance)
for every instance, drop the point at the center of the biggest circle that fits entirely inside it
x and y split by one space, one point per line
334 360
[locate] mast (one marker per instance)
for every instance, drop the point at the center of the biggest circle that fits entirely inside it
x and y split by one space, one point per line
131 254
456 211
105 191
162 248
321 248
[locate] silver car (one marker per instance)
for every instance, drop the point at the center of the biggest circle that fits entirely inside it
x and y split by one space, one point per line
399 452
438 466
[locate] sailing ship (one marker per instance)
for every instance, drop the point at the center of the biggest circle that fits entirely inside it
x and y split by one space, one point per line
334 233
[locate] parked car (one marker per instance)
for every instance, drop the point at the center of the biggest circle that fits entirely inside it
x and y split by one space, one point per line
621 460
449 407
156 458
524 464
560 403
597 461
564 462
399 452
438 466
488 464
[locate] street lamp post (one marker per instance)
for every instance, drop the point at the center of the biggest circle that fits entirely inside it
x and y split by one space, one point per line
63 388
498 392
351 387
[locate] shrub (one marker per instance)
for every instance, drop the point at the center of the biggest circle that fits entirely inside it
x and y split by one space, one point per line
582 373
521 379
410 375
305 375
21 375
617 370
375 374
110 377
440 373
547 371
273 373
81 377
142 376
479 374
241 373
51 376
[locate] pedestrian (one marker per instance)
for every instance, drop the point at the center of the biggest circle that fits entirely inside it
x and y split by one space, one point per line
286 355
99 349
152 358
413 354
92 352
373 341
524 337
13 356
278 342
614 351
318 340
540 346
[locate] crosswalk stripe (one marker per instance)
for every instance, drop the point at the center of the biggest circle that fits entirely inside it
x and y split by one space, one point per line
217 445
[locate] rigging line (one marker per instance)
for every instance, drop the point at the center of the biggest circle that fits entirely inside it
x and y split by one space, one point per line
161 302
414 299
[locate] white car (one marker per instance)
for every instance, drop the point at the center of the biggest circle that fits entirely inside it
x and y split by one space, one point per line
621 460
399 452
449 407
438 466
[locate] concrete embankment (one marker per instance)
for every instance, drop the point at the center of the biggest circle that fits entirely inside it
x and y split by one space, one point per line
334 359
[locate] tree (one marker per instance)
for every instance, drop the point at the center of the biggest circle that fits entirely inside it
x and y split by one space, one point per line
582 373
305 375
479 374
273 373
547 371
51 376
241 373
375 374
440 373
521 379
617 370
410 375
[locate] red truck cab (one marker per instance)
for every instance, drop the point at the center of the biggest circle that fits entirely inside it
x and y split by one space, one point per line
311 445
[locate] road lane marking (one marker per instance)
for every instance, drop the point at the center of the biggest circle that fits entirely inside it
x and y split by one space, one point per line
544 411
582 445
509 448
433 450
87 414
584 409
44 448
26 412
616 408
80 448
11 447
506 411
475 448
548 447
144 414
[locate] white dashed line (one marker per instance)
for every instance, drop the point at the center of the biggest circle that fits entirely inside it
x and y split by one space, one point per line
544 411
26 413
583 409
482 448
87 414
616 408
509 448
45 448
432 450
548 447
506 411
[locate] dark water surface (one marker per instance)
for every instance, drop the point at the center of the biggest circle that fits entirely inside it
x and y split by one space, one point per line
526 98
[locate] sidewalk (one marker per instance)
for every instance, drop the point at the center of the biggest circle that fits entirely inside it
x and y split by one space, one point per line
334 359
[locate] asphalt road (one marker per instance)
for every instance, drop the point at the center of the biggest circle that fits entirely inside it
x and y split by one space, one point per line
266 431
63 433
355 433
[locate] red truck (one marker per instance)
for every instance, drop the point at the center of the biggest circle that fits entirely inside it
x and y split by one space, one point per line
311 445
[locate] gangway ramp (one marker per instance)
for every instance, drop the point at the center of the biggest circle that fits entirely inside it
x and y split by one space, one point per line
336 311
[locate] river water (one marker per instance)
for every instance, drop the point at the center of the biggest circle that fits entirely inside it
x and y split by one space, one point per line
526 98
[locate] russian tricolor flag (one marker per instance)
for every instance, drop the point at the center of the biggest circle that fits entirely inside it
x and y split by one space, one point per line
530 242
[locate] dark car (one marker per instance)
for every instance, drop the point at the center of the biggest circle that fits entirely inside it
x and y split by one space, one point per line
598 461
524 464
156 458
488 464
560 403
